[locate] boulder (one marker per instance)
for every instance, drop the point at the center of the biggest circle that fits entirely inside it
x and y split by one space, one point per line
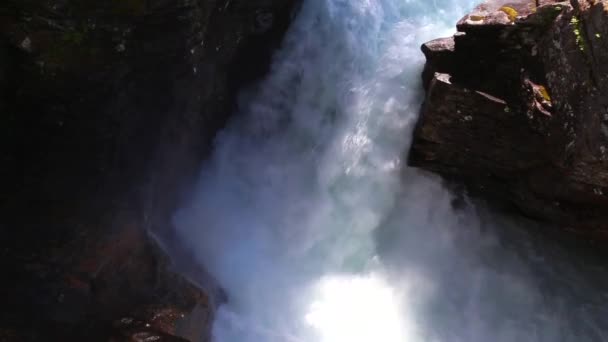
516 109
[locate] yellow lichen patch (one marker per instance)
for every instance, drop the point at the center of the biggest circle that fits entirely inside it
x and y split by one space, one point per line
510 12
477 17
544 93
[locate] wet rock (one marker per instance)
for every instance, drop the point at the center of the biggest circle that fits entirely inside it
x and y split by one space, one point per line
537 139
440 56
108 109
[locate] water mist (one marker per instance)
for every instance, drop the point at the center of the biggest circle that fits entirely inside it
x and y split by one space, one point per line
309 219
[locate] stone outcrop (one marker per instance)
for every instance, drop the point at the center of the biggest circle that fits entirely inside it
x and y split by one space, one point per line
106 110
517 108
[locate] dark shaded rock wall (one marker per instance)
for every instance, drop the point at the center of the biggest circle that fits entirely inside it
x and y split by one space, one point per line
106 110
516 108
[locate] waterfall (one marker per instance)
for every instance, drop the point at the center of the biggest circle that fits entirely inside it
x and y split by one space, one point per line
308 217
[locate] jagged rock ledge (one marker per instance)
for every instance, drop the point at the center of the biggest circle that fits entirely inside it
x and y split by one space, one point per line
516 108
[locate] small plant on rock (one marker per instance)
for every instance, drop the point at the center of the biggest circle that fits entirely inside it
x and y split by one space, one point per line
576 28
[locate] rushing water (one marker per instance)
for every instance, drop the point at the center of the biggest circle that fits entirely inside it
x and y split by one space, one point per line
308 217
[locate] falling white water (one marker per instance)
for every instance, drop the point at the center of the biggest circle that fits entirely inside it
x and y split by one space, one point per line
318 232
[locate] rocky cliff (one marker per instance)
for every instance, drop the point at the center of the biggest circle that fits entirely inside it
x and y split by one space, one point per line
106 110
517 108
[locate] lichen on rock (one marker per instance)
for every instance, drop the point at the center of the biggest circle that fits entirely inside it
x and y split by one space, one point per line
510 12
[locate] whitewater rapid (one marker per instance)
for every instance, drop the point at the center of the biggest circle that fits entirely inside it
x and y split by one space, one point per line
308 217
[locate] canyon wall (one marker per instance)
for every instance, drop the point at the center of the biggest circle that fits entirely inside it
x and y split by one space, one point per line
107 110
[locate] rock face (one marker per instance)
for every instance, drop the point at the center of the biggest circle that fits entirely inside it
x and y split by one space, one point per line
517 108
106 110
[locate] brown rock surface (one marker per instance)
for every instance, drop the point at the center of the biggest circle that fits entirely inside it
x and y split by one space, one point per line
517 109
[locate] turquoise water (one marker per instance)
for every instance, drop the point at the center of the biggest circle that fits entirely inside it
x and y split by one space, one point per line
309 219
